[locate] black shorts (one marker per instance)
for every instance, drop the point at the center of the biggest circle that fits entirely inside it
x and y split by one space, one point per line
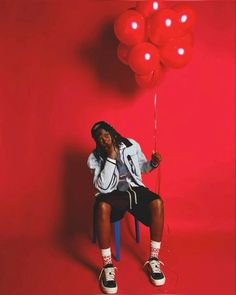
136 203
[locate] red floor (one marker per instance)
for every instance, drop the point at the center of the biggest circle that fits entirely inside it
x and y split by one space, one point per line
195 263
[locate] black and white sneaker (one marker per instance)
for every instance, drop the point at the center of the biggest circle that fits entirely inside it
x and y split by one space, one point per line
107 279
156 275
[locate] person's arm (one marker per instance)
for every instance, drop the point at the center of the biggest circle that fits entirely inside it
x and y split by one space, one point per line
104 180
144 164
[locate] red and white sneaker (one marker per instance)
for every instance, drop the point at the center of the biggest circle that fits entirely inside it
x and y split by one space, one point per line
107 279
156 275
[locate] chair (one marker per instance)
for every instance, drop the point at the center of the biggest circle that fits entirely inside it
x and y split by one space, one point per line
117 235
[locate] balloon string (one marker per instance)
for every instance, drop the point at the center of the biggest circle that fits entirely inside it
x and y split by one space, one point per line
155 121
158 188
158 180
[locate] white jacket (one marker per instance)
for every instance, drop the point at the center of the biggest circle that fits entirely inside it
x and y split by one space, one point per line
106 180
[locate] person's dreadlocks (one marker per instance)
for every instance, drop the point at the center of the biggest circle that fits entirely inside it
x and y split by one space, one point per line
117 139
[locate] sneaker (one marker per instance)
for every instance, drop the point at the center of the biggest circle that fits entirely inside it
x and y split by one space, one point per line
156 275
107 279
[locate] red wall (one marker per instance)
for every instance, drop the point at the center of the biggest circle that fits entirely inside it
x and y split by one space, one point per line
59 74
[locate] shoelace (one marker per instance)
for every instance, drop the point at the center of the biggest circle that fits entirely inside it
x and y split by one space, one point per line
109 273
155 265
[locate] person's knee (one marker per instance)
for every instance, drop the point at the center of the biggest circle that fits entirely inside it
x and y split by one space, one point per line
103 210
157 205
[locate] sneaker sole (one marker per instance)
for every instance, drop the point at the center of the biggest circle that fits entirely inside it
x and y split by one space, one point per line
109 290
158 282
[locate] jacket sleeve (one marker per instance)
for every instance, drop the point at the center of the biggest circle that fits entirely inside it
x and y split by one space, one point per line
144 164
105 180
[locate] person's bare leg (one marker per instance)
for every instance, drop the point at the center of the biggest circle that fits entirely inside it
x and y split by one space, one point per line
107 275
156 220
156 229
103 225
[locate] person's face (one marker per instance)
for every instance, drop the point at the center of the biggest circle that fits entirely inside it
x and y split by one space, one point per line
103 138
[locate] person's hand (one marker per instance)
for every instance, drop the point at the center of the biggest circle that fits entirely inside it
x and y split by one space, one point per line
111 151
155 159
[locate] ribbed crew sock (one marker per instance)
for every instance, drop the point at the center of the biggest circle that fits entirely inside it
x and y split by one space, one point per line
154 249
106 256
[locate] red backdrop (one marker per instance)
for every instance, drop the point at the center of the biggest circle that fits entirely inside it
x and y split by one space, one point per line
59 74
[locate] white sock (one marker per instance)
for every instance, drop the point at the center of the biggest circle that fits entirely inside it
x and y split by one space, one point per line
106 256
154 249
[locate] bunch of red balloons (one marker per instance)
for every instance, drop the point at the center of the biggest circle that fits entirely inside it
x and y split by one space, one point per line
153 37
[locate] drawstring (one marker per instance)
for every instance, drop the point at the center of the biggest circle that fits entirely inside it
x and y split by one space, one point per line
130 200
130 197
135 195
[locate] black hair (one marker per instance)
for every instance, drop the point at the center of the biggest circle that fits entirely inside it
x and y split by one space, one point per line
117 139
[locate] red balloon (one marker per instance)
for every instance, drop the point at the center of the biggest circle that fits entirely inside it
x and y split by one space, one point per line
147 8
151 79
143 58
123 53
129 27
185 15
188 38
162 26
177 52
